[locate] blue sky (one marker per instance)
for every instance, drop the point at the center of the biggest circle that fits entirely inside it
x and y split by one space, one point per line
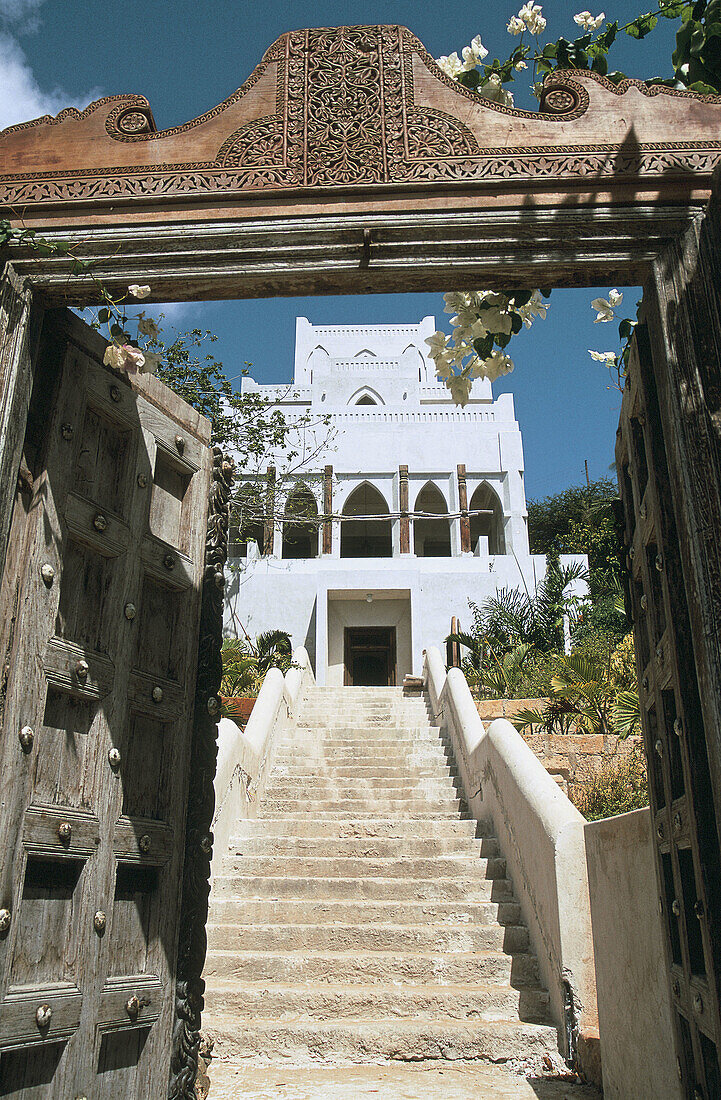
186 57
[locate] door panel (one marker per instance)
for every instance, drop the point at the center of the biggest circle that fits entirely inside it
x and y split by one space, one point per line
674 729
97 721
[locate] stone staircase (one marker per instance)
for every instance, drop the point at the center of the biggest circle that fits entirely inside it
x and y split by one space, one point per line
362 917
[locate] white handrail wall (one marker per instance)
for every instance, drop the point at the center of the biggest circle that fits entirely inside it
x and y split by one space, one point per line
541 835
245 757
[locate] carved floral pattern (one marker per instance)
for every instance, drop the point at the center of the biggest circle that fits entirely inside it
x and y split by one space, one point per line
346 117
192 944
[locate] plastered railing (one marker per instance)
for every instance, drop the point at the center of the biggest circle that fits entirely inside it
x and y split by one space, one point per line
541 836
245 757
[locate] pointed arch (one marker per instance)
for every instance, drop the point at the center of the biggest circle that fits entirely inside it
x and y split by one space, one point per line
365 353
488 525
366 395
431 537
300 524
366 538
246 522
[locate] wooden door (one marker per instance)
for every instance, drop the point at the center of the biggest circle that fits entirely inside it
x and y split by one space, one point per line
99 617
370 656
669 465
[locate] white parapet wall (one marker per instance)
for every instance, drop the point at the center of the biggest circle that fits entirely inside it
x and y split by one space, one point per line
541 836
634 1002
245 757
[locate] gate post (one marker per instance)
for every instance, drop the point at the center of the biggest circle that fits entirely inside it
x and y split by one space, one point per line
20 321
192 944
669 469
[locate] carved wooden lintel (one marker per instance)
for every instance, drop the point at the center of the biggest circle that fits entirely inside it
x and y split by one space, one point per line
359 108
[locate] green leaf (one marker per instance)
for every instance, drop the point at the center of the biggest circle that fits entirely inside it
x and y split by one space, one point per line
704 89
599 65
520 297
606 39
516 323
546 291
502 339
549 50
626 328
484 346
103 316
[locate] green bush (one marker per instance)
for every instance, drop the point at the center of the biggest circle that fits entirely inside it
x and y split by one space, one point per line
618 787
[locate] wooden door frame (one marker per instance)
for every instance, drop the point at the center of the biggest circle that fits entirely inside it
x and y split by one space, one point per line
230 205
392 651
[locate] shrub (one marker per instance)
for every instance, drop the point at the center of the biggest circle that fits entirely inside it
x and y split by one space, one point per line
618 787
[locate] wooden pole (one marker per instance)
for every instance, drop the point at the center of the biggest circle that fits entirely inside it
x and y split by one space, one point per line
405 521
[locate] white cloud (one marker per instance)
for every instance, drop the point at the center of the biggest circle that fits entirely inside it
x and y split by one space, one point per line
21 97
22 13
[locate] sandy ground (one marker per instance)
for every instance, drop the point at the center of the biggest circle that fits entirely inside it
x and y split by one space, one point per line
405 1081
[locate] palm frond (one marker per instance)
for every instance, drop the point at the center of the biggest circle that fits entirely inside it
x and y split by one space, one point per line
626 714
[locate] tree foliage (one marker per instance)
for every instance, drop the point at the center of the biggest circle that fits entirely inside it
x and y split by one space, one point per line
579 520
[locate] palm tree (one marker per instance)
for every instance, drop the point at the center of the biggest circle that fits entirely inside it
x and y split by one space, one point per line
515 617
245 662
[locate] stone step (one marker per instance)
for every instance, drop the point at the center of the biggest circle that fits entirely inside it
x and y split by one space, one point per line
445 938
359 1040
305 825
366 847
333 786
363 716
383 867
369 772
373 967
373 1002
419 812
462 889
402 755
353 806
253 911
350 732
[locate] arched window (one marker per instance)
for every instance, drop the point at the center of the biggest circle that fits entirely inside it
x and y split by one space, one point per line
300 526
488 524
365 538
246 522
366 399
432 537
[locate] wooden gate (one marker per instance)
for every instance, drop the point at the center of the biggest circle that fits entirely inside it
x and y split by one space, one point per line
669 467
100 619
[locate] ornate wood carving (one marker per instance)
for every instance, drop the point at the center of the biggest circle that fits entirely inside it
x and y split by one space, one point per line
190 987
361 107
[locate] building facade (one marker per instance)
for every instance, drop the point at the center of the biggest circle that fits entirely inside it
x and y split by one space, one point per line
416 507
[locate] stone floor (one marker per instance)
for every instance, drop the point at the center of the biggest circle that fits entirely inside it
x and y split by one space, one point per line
404 1081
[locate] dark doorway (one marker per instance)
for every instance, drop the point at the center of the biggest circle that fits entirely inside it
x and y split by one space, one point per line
370 656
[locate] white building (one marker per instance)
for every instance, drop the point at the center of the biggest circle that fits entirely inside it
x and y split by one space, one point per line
441 487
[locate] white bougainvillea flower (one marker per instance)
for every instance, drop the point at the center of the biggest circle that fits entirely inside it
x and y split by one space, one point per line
607 357
495 320
535 307
152 361
520 66
497 364
124 357
148 327
530 15
139 291
474 53
515 25
586 20
606 306
460 389
451 64
478 48
437 344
